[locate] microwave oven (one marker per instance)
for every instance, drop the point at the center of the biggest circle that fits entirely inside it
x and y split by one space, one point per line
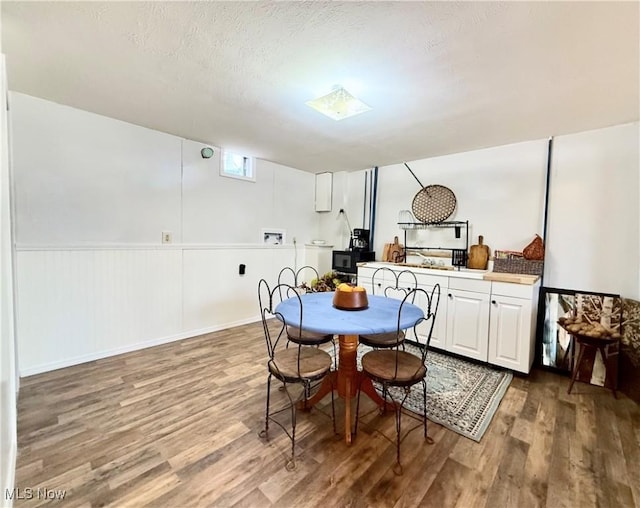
346 261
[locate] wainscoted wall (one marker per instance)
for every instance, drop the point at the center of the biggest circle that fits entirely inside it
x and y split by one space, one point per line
92 201
215 296
80 304
93 278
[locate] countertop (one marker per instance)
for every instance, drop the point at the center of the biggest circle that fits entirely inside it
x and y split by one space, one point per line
463 273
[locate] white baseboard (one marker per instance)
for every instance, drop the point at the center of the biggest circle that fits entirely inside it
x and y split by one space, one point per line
68 362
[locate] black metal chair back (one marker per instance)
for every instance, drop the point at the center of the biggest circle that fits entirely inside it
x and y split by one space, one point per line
399 284
299 364
294 284
276 329
422 340
397 369
295 277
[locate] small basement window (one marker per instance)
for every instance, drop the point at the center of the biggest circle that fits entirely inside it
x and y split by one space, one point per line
237 166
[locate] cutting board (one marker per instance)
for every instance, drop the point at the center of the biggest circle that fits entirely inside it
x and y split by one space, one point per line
518 278
478 255
393 252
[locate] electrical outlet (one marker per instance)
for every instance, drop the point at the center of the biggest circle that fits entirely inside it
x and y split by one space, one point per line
167 237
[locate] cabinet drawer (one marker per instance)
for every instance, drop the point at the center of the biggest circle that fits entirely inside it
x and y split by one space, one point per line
515 290
365 274
431 280
478 286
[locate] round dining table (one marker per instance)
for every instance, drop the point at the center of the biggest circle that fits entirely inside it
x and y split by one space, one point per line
319 315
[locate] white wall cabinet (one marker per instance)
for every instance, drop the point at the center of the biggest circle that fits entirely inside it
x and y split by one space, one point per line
492 322
324 191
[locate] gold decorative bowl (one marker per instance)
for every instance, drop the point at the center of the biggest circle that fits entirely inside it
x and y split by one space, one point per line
355 298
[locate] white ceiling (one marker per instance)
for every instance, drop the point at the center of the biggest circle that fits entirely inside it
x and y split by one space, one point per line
442 77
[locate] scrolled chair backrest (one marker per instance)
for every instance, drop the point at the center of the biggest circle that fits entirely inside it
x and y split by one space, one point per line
294 277
406 282
268 299
431 301
400 285
313 273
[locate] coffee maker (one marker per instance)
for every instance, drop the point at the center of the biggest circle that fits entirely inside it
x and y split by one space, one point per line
346 261
359 240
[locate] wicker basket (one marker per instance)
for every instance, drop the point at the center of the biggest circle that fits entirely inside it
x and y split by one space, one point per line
518 265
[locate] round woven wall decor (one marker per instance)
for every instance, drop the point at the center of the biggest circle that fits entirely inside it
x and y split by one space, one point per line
434 203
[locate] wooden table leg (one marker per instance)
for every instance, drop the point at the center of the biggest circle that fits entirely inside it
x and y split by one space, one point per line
328 384
348 377
366 387
346 380
576 367
603 352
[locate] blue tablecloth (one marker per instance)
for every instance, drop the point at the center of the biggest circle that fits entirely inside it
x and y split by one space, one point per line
319 315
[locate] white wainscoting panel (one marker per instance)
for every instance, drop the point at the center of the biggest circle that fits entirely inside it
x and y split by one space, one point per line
214 292
79 305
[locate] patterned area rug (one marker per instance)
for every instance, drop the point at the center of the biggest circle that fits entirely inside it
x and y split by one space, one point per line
461 396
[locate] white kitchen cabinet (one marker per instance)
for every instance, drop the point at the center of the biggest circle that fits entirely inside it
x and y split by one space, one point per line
512 326
364 279
439 334
493 322
385 279
467 323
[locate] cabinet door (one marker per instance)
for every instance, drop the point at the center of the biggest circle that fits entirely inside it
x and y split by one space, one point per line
467 323
324 185
364 278
383 283
438 337
509 332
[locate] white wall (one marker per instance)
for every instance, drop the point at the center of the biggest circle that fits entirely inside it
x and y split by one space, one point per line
71 280
219 209
593 236
94 279
8 437
349 195
85 179
499 190
593 239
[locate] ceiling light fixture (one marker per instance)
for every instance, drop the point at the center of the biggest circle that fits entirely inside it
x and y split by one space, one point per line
339 104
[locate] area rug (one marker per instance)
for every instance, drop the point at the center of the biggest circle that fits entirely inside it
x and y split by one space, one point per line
461 396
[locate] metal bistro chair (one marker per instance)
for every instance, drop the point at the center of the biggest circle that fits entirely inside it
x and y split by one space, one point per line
398 370
294 334
403 283
300 365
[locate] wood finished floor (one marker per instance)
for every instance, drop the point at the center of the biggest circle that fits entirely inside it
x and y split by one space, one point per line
176 426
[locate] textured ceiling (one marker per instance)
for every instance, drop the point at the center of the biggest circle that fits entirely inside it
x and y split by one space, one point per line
442 77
